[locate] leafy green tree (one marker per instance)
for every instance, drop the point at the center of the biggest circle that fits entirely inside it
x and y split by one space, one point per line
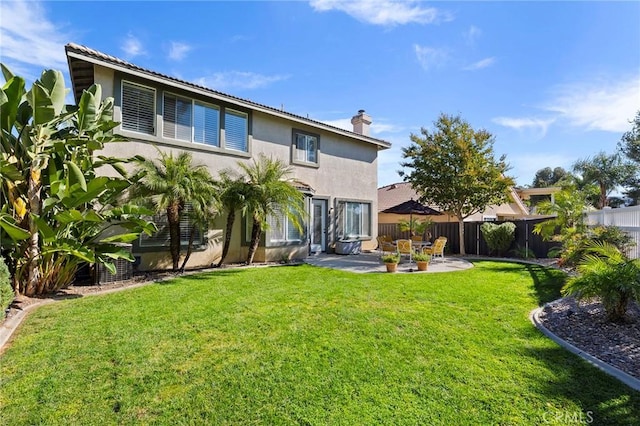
607 273
56 211
168 185
270 192
232 189
629 145
606 171
454 167
6 292
547 177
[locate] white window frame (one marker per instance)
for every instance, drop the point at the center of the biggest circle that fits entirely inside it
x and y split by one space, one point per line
284 225
301 154
123 123
231 111
164 115
344 218
162 223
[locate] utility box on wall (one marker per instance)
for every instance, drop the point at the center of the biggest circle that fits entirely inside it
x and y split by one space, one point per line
348 247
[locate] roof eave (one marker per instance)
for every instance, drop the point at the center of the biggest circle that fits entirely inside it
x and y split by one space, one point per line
71 53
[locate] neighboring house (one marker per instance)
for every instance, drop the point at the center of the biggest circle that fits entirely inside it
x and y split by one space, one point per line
397 193
533 196
336 169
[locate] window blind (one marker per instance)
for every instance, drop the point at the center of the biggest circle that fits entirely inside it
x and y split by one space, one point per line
138 108
206 124
235 126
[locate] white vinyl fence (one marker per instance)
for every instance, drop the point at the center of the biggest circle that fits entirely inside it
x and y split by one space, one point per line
625 218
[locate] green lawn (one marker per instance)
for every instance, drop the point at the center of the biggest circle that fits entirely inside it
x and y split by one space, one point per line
305 345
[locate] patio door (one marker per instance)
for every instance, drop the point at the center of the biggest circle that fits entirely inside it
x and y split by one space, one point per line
319 224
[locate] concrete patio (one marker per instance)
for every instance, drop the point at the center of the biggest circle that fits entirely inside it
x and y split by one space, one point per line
370 262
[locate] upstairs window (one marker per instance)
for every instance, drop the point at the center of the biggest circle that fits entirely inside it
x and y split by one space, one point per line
177 118
138 108
236 130
206 124
305 148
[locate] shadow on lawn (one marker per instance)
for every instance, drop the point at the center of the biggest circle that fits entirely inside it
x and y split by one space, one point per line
601 397
547 282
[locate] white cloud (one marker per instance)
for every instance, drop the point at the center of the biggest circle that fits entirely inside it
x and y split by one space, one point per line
29 38
483 63
472 34
178 51
132 47
598 105
430 57
340 123
525 123
239 80
384 12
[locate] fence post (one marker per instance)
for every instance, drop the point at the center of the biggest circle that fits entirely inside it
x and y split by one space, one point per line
526 238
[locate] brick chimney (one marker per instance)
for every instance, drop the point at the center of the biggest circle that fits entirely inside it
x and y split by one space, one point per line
361 122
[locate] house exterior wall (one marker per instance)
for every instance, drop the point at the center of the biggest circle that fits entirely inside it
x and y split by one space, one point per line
346 170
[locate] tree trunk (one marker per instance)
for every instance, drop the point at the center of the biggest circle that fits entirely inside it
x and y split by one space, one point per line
34 277
256 232
173 218
231 217
603 196
461 235
192 235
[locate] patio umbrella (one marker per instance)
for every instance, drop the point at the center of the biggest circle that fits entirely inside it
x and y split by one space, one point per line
412 207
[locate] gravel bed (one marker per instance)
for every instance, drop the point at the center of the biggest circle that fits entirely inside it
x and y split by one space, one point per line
585 326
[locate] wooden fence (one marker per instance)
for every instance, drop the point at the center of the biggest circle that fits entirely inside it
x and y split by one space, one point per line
473 239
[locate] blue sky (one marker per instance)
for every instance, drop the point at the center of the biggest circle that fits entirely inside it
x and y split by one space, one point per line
553 81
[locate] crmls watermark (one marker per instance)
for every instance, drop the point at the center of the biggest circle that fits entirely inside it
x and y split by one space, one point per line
568 417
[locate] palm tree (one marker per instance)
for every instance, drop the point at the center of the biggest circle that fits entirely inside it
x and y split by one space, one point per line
269 192
607 273
171 183
232 194
607 172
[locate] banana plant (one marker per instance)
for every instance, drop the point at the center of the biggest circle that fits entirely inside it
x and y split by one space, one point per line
57 212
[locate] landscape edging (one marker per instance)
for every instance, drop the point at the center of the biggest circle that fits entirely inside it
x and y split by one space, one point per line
625 378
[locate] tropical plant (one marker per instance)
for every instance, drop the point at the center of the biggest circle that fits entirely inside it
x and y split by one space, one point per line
390 258
168 185
605 171
415 226
454 167
270 193
498 237
6 292
232 193
608 274
56 211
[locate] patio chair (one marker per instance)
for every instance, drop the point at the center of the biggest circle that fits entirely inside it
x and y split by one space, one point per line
386 246
405 248
437 250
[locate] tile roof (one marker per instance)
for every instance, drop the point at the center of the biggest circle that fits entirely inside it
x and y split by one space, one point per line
86 52
397 193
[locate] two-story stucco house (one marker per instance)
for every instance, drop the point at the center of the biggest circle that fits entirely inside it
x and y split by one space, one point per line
336 169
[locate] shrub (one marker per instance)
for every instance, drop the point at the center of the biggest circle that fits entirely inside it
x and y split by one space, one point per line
607 273
421 257
575 245
6 292
391 258
523 253
498 237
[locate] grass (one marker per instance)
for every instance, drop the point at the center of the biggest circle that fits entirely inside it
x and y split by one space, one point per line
305 345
